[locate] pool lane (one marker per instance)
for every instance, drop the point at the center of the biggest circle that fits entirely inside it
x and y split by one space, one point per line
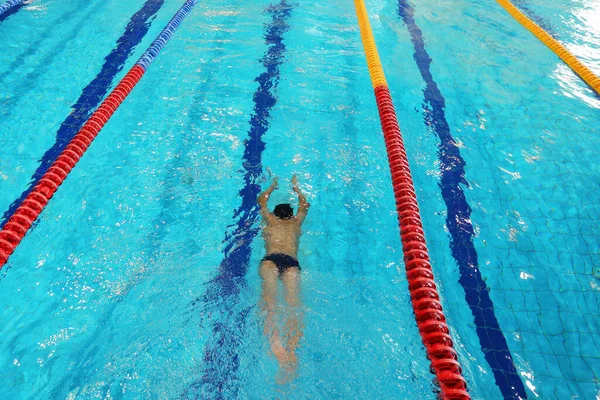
452 167
93 93
221 358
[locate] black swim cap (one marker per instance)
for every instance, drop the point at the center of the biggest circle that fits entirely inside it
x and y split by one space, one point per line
283 211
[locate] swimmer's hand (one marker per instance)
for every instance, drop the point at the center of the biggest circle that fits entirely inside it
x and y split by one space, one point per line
303 203
275 184
264 196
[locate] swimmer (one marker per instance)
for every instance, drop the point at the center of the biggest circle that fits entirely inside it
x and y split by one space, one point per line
282 230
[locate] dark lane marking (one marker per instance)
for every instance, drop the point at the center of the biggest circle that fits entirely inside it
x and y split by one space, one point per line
30 81
93 93
221 359
492 340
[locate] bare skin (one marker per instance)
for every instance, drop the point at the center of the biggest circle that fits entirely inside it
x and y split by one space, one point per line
282 236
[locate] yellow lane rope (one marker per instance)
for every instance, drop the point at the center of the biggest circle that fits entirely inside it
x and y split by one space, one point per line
366 33
580 69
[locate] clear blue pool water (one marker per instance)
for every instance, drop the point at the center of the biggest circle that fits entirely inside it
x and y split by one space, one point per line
140 278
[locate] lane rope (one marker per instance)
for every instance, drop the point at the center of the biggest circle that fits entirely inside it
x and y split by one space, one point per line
25 215
573 62
10 4
425 298
92 94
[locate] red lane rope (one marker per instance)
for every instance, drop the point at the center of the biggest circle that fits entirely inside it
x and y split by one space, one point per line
25 215
423 290
17 226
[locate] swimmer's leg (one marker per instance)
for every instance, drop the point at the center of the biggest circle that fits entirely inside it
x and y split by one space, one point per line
294 325
270 274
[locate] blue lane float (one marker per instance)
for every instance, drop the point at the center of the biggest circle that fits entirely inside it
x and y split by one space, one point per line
155 48
9 8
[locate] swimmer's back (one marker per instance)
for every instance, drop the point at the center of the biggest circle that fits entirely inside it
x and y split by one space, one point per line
282 236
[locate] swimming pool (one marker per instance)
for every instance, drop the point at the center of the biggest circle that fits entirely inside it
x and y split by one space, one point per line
140 277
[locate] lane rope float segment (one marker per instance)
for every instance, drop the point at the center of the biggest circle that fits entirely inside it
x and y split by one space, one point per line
425 299
25 215
9 5
573 62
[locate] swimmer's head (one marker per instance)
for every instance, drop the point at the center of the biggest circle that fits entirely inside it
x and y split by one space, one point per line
283 211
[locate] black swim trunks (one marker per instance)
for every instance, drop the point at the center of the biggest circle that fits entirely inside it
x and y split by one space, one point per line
282 261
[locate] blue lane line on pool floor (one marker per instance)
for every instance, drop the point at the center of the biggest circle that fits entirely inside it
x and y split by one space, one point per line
30 82
9 8
93 93
221 358
492 340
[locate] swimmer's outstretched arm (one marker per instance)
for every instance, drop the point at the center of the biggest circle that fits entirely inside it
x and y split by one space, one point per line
303 204
263 198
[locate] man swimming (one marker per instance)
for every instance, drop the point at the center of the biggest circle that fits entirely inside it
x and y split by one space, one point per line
282 232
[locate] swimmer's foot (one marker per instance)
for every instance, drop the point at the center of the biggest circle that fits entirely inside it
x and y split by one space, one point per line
288 369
